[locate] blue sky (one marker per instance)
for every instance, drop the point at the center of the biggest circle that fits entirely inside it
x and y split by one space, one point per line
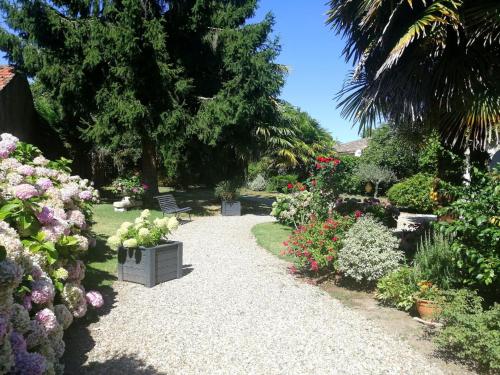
313 53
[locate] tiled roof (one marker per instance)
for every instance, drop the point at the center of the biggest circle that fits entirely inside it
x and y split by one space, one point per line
6 74
352 147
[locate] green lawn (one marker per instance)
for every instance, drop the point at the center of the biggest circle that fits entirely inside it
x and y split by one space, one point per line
270 236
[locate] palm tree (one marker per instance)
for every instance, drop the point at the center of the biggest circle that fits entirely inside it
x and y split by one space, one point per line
430 62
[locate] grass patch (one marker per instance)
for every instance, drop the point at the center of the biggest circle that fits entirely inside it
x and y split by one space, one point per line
270 236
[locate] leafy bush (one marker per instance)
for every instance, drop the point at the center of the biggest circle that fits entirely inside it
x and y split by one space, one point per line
294 208
280 183
436 261
349 182
227 190
386 213
315 245
413 194
370 251
45 216
476 230
375 174
469 332
259 183
397 288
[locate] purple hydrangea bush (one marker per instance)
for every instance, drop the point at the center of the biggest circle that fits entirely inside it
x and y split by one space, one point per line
44 232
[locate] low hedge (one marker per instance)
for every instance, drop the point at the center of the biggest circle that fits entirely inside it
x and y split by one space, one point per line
413 194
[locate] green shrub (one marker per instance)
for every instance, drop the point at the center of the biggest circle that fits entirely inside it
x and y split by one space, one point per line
397 288
349 182
413 194
436 261
469 332
370 251
476 230
279 183
258 183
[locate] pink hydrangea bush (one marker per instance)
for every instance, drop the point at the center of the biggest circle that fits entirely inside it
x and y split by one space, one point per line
45 208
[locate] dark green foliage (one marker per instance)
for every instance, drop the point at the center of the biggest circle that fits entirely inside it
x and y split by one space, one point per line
413 193
397 288
470 332
436 261
279 183
185 84
350 183
387 148
476 230
227 190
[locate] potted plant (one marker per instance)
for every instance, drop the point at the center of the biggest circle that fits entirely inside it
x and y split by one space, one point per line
130 189
145 256
429 299
227 192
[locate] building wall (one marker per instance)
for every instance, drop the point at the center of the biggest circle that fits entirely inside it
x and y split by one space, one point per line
17 112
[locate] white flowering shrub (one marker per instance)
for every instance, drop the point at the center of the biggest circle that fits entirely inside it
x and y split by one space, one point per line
142 232
44 230
294 208
259 183
370 251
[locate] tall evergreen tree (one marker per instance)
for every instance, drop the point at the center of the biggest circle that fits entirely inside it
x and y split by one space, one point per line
147 78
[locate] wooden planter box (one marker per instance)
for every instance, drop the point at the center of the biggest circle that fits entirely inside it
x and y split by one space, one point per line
150 266
231 208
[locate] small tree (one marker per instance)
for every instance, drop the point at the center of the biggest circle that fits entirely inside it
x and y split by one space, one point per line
375 174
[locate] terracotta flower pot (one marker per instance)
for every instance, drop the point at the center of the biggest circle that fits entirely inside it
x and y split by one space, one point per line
428 310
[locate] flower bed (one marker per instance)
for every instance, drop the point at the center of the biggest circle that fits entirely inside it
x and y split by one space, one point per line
44 230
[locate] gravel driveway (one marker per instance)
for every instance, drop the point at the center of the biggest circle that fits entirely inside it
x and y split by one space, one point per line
237 311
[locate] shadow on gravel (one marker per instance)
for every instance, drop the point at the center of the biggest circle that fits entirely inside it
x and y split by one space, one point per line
120 365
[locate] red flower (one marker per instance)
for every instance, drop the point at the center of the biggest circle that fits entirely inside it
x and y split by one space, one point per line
336 161
285 243
313 182
329 258
314 266
292 269
334 239
289 186
358 214
145 186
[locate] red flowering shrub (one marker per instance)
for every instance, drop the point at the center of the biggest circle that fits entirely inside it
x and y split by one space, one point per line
315 245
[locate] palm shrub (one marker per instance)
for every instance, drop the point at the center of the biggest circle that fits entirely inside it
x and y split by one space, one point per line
413 193
436 261
370 251
227 190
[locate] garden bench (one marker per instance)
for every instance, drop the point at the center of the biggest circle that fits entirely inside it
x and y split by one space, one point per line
168 205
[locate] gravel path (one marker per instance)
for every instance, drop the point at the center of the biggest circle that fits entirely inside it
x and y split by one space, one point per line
239 312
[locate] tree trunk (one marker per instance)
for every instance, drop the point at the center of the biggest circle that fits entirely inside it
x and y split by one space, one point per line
149 170
376 190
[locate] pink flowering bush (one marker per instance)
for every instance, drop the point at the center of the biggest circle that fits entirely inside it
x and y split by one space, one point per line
44 229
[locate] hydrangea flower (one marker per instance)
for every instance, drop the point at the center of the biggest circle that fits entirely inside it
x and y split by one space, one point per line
114 242
36 335
17 342
126 225
63 315
40 160
68 191
60 273
10 274
85 195
20 318
131 243
83 242
14 179
145 213
29 363
76 271
44 183
4 326
94 299
76 217
172 223
26 170
73 296
6 358
27 302
25 191
47 319
42 291
36 271
143 232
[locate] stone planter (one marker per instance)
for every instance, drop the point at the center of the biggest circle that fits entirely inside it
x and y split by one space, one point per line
231 208
150 266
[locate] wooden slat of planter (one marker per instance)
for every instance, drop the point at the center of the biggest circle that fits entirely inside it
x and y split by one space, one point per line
170 268
161 277
166 257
